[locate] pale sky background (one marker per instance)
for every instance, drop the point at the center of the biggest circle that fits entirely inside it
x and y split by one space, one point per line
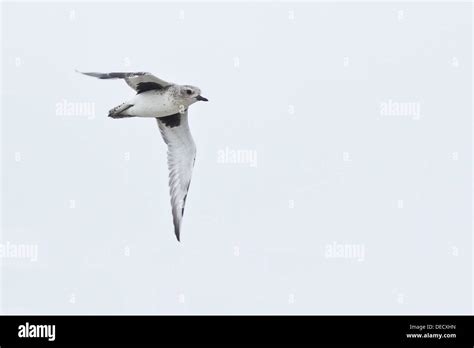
301 86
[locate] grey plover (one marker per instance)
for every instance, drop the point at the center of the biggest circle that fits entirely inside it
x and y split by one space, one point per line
168 103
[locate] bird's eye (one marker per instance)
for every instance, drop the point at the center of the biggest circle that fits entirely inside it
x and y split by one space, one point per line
189 92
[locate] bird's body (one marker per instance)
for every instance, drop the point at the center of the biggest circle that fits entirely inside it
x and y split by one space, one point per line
154 103
169 104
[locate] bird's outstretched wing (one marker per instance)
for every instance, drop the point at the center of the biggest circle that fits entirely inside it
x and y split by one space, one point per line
139 81
181 156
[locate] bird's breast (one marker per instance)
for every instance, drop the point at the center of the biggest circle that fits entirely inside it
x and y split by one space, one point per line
153 104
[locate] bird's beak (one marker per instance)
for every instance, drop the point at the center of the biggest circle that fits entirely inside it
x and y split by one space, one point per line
199 97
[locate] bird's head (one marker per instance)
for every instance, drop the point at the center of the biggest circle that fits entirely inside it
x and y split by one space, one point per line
190 94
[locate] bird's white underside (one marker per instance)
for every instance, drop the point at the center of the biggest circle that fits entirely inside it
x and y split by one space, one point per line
153 104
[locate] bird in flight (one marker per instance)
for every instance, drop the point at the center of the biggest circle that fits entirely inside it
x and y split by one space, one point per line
168 103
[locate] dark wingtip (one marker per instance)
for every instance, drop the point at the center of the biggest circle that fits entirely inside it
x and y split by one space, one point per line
177 234
84 73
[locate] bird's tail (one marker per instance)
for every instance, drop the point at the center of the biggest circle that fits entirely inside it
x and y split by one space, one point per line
119 111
